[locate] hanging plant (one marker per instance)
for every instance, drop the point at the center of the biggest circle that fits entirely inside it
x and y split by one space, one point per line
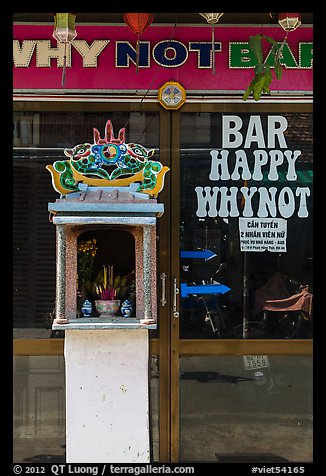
263 74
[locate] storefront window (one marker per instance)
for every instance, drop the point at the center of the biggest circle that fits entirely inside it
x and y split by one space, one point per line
231 413
246 225
39 138
39 409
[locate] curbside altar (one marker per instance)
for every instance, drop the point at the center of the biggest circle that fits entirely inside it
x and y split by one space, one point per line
108 190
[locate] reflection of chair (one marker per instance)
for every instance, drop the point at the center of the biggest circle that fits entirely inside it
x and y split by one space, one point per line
297 302
291 315
275 288
274 296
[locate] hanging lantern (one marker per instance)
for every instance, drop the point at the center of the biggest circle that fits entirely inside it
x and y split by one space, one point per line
212 18
138 22
64 32
64 27
289 21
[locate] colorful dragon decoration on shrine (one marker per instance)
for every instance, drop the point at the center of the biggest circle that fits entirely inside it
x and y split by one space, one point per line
109 162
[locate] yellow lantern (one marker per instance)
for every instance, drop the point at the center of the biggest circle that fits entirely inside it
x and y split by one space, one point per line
64 32
212 18
64 27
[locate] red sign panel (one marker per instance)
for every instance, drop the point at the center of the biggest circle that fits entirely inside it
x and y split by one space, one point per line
104 58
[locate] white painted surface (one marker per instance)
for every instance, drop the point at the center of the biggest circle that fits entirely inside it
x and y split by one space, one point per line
102 323
107 414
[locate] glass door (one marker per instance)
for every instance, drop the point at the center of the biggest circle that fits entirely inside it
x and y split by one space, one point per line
240 285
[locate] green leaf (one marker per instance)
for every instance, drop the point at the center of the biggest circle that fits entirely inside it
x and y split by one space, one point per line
277 46
267 80
270 40
275 54
259 68
278 70
250 88
257 95
256 47
267 70
246 94
274 51
258 87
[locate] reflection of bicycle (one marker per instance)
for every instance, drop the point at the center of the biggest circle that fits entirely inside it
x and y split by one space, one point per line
204 313
288 318
214 319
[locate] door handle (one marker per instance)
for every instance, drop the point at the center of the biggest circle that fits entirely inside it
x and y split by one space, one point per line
163 297
175 292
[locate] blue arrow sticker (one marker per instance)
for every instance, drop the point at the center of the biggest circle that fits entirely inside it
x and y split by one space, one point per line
206 254
203 289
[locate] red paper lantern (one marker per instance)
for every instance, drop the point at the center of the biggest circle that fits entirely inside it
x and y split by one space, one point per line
138 22
289 21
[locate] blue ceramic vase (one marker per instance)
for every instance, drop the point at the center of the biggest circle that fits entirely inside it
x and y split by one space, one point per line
126 308
86 308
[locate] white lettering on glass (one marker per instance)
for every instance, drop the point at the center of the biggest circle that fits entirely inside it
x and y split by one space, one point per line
261 167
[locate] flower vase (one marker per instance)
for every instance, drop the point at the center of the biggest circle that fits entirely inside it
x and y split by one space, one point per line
107 308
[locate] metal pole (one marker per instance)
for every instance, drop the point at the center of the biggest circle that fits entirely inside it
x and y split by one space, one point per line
213 49
245 298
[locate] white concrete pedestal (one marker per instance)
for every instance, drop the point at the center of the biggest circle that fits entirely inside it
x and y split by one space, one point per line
107 405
